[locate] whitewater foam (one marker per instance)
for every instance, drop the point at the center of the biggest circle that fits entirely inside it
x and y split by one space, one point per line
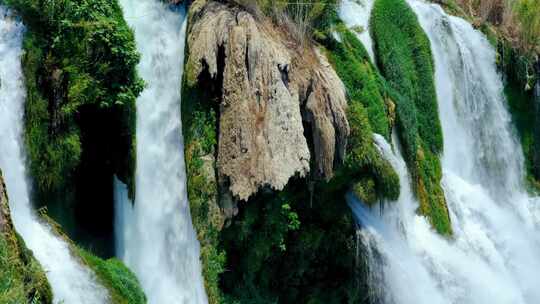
156 238
494 254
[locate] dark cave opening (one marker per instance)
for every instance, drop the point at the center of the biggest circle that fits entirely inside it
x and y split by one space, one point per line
85 208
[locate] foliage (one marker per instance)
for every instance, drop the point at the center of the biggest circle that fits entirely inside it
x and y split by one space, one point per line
404 54
22 280
364 156
122 284
199 124
370 108
76 53
361 79
292 246
527 13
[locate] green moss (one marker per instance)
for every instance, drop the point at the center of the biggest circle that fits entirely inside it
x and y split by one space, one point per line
199 126
370 109
77 53
22 279
122 284
430 193
352 64
363 158
404 54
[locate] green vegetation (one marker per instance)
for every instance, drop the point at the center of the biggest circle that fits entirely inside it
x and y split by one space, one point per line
282 246
361 79
122 284
22 280
199 126
364 159
294 246
527 13
404 54
370 109
79 56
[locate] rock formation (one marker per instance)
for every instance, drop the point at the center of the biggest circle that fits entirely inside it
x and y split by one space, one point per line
271 89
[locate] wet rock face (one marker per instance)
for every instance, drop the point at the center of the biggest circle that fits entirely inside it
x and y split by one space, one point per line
269 89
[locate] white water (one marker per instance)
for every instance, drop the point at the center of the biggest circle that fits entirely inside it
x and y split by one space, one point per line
156 238
71 283
356 13
494 256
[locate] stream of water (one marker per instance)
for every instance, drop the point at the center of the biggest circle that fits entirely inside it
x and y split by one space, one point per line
155 237
494 254
355 14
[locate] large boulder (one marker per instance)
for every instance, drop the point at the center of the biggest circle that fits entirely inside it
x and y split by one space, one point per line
272 88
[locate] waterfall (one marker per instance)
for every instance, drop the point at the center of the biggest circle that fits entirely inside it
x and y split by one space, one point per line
494 255
155 237
356 14
71 282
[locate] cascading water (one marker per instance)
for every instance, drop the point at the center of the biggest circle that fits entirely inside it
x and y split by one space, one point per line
156 238
494 254
356 14
71 282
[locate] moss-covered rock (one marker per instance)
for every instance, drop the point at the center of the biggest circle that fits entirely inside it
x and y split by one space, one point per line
404 54
122 284
199 126
79 56
371 109
22 279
